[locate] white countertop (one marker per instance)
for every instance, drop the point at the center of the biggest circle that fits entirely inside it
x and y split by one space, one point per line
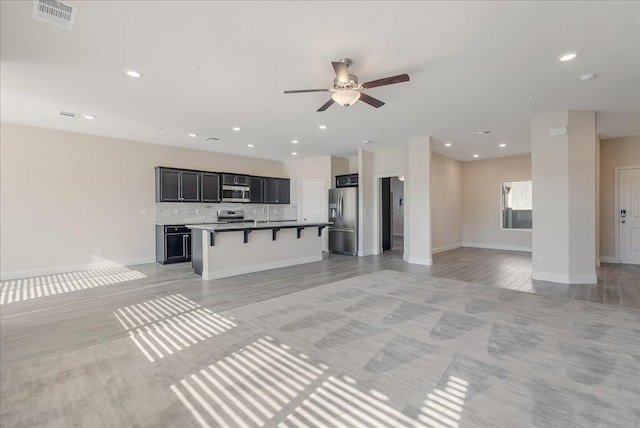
253 225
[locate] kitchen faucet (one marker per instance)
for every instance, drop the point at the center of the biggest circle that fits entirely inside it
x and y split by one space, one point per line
268 211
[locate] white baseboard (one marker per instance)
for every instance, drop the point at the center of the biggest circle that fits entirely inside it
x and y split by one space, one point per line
609 259
446 248
496 246
418 261
17 274
241 270
564 279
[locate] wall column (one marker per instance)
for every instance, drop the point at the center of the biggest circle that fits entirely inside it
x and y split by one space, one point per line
417 207
563 164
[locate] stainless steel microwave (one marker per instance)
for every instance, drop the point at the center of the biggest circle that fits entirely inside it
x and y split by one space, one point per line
235 194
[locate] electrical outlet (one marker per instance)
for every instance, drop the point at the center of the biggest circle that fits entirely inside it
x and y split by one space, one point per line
175 211
144 211
99 251
197 210
540 260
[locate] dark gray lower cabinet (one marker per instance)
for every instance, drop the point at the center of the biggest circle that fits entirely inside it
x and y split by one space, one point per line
173 244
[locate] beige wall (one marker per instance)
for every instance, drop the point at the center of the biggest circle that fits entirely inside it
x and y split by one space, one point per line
339 166
582 194
614 153
383 163
367 203
65 196
307 169
417 210
446 202
481 202
564 197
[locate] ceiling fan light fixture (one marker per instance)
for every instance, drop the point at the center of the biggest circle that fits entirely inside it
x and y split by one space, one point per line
346 97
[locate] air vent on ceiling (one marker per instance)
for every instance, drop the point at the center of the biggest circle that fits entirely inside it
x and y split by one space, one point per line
214 139
69 114
55 12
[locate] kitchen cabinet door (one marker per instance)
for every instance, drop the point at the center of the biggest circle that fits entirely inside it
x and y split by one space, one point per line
256 193
284 195
277 191
168 185
175 185
210 187
190 186
271 191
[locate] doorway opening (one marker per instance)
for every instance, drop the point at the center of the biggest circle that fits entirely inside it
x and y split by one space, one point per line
392 213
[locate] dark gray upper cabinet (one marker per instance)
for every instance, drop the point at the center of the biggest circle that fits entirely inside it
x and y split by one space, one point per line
175 185
277 191
190 186
349 180
183 185
256 189
235 180
210 187
167 185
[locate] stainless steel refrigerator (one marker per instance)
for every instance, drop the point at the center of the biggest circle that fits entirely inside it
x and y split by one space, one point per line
343 213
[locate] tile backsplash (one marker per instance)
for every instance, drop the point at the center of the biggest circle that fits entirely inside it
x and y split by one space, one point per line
185 213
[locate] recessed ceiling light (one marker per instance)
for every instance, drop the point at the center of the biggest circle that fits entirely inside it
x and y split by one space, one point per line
133 73
88 116
531 96
192 135
447 144
294 141
367 142
294 153
322 126
568 56
250 145
502 145
235 128
476 156
587 76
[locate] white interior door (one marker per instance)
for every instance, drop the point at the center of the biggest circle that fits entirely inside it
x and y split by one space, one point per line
629 215
315 204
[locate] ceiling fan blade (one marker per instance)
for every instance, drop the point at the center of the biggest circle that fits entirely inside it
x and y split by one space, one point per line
299 91
342 71
326 105
370 100
386 81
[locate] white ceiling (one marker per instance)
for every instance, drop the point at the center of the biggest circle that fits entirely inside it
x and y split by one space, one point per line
209 66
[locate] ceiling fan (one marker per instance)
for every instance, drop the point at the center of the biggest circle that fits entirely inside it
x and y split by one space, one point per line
346 89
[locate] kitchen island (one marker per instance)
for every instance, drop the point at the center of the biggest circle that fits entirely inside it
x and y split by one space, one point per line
223 250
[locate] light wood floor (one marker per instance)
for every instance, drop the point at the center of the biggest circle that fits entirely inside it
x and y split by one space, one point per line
26 324
68 359
618 284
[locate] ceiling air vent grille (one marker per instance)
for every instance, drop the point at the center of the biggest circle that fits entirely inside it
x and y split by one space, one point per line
55 12
69 114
